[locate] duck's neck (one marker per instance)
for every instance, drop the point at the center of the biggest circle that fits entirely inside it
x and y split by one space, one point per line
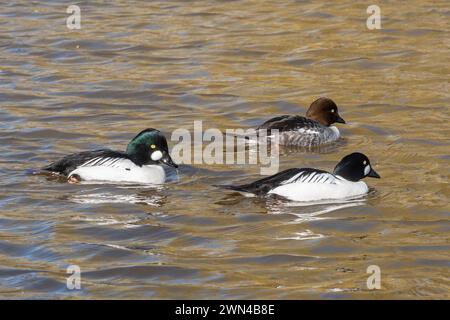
347 174
322 122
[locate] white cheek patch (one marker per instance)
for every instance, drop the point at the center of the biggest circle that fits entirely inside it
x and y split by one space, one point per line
157 155
366 170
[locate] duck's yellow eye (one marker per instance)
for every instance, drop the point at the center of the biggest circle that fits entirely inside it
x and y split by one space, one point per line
153 146
332 110
364 162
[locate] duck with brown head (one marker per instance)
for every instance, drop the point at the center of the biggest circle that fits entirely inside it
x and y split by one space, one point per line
313 130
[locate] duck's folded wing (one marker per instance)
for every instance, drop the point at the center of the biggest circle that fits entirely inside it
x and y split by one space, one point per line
289 123
294 175
102 157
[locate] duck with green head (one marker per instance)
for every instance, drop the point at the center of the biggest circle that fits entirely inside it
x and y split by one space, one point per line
141 163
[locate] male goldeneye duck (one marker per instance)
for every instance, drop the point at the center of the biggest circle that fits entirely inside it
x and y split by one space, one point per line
141 163
306 184
313 130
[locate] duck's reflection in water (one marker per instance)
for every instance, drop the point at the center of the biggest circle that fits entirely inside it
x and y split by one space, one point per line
310 211
307 212
124 194
303 211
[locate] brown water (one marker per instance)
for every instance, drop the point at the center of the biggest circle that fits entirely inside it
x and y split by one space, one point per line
137 64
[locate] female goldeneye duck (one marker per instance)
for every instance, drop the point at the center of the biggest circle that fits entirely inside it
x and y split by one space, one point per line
306 184
141 163
313 130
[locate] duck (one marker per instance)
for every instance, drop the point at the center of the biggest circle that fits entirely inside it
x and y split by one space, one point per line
308 184
140 163
313 130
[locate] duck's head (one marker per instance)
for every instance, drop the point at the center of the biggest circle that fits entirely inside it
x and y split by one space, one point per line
325 111
150 147
355 167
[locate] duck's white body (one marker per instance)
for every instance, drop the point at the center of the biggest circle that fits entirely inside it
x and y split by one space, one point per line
335 187
122 170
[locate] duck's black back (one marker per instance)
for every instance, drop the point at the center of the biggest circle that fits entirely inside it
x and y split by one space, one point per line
72 161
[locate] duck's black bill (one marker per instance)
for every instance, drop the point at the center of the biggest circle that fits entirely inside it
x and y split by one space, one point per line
166 159
373 174
339 119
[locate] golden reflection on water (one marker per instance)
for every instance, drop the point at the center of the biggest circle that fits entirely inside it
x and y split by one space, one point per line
231 64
